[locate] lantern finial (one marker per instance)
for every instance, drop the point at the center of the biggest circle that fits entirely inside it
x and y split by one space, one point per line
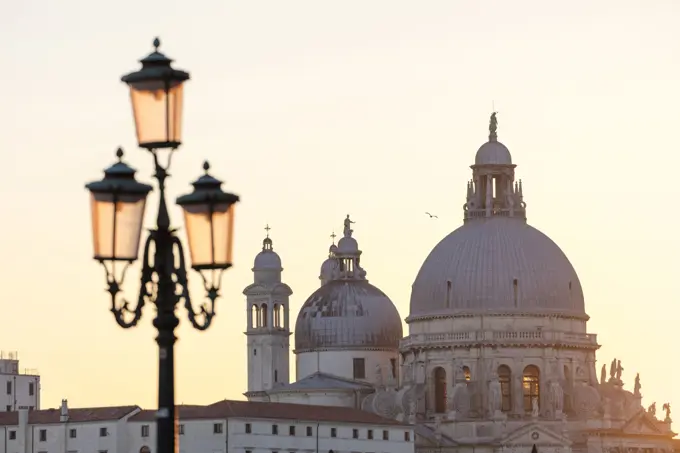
206 166
156 43
119 154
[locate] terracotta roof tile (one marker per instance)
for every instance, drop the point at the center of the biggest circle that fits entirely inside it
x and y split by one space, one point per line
284 411
91 414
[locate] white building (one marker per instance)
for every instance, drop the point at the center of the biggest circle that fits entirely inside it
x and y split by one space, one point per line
64 430
18 388
498 355
226 426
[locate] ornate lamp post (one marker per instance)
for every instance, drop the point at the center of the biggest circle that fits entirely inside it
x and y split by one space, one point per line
118 202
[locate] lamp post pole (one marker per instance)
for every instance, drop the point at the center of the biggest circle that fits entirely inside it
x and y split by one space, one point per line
118 203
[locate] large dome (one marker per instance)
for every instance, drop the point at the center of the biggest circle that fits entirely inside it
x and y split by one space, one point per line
497 264
347 314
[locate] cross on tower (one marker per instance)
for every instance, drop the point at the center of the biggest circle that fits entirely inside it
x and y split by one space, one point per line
266 228
333 236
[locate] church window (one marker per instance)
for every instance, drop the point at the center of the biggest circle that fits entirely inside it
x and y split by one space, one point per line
515 288
359 368
275 429
263 316
309 431
355 433
531 386
370 434
255 316
277 314
217 428
504 378
393 366
249 428
254 351
276 375
407 436
334 432
466 373
291 430
439 390
386 435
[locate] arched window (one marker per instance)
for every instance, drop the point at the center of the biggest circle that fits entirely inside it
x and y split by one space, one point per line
276 375
263 315
277 319
531 387
255 316
466 373
505 379
439 390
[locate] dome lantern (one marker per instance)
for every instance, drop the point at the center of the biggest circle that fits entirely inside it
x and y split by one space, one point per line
493 191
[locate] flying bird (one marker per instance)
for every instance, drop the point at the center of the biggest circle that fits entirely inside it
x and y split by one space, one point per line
432 216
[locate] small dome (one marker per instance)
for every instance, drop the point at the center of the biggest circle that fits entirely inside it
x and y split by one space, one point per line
328 270
493 153
347 245
348 314
267 259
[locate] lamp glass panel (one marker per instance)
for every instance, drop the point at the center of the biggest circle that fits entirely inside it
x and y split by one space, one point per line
157 113
117 225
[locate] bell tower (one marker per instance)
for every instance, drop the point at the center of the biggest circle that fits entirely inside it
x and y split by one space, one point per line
268 325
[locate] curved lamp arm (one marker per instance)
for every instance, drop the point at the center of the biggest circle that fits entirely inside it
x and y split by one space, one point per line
200 320
121 310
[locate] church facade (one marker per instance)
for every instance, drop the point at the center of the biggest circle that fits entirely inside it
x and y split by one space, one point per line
498 357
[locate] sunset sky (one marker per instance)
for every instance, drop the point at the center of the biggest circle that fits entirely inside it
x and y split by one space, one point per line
311 110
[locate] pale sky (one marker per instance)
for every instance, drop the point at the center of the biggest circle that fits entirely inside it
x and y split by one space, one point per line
314 109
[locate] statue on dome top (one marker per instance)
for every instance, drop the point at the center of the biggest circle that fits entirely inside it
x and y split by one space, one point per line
612 370
603 375
493 127
348 227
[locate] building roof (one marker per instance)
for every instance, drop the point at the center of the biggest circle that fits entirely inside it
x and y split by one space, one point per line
283 411
348 314
497 264
81 415
321 381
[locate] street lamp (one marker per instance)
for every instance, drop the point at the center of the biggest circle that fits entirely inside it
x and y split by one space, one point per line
118 202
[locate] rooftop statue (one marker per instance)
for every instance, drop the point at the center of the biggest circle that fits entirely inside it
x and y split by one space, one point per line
493 127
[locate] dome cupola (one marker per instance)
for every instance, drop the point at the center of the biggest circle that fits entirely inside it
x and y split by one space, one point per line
330 267
496 262
267 265
347 312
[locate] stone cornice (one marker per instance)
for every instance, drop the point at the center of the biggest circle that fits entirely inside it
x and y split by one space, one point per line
264 331
341 348
501 338
509 313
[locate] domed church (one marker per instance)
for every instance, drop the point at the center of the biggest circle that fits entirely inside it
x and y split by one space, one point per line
498 357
